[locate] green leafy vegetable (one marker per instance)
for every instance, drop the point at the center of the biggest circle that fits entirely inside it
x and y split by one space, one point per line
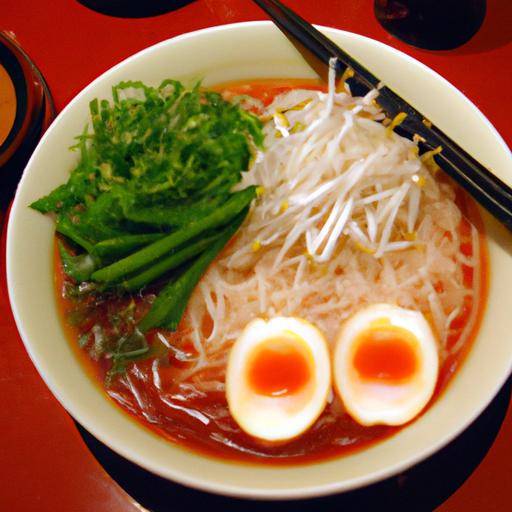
150 201
78 267
129 348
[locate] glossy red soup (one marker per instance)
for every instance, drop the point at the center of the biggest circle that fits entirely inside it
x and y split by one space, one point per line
201 420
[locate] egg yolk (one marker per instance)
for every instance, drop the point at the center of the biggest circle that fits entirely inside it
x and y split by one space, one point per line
278 368
386 354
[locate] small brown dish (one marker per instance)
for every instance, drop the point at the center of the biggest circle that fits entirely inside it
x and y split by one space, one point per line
26 110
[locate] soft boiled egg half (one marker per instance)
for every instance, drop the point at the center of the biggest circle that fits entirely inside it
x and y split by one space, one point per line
386 364
278 378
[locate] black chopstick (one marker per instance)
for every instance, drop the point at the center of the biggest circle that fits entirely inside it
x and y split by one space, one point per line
491 192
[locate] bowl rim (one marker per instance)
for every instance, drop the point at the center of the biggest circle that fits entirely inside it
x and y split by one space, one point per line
87 420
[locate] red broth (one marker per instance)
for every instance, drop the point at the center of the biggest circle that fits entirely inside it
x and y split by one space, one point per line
200 421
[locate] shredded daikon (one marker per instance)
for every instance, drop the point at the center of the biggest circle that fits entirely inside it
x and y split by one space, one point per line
350 215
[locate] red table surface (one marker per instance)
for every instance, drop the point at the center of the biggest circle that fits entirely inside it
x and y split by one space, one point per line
44 464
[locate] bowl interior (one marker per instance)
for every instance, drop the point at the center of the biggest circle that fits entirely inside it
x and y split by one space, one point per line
220 54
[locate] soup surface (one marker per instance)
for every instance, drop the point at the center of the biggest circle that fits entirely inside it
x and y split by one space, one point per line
177 389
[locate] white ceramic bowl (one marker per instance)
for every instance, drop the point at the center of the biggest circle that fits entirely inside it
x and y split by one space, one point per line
219 54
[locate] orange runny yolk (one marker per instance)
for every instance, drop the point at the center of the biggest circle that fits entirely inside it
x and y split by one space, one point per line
386 354
278 368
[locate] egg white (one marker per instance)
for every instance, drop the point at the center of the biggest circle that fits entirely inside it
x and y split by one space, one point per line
278 418
374 402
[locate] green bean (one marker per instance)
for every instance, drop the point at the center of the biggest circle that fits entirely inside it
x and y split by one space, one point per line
166 264
169 306
176 215
122 245
236 203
